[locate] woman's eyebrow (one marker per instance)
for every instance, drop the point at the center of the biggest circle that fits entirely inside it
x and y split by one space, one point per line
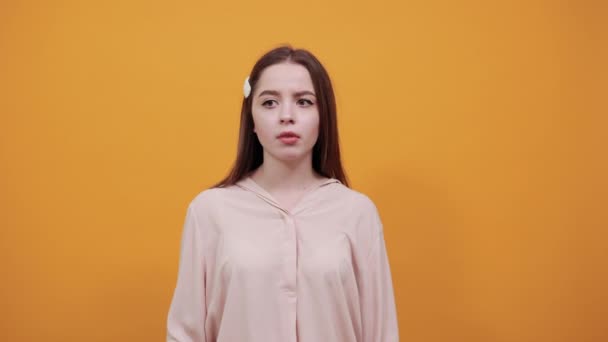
269 92
296 94
305 92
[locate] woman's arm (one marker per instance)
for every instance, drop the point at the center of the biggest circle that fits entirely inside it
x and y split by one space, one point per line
378 310
186 318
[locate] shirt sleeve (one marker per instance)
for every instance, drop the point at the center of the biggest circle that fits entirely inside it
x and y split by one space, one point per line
378 311
187 313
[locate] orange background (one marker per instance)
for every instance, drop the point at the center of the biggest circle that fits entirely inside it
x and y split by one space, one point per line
477 127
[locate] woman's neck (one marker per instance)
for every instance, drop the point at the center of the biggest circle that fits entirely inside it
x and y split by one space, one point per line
274 175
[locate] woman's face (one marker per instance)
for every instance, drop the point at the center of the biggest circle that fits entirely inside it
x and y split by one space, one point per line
284 101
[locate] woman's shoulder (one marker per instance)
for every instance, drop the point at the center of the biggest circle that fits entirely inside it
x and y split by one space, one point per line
351 194
209 198
365 204
357 200
363 210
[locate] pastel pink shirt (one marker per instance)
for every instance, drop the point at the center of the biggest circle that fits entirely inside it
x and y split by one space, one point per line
250 270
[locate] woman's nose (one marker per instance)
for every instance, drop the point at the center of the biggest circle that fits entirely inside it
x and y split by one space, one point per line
286 113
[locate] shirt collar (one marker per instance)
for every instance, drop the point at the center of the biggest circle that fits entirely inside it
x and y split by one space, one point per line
249 184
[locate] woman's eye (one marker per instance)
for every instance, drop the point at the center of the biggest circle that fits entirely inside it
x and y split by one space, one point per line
268 103
305 102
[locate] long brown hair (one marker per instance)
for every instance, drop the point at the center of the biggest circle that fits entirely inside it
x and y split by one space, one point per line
326 152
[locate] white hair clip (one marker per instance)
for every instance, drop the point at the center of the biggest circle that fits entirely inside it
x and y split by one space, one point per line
247 88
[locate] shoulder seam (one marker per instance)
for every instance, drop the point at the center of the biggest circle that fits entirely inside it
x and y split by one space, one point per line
374 246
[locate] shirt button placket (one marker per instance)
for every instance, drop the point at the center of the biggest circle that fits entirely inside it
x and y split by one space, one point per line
290 267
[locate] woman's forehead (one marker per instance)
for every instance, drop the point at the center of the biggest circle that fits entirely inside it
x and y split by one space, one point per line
284 76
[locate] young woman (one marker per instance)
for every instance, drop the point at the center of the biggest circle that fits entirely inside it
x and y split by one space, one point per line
282 250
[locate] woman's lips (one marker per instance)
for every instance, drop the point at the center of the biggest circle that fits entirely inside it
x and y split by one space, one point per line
289 140
288 137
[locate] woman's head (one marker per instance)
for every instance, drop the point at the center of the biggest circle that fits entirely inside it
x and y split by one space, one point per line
290 91
285 114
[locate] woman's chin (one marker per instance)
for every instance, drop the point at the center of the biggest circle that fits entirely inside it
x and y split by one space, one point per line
290 156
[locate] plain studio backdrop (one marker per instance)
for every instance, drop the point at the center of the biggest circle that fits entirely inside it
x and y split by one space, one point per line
477 127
